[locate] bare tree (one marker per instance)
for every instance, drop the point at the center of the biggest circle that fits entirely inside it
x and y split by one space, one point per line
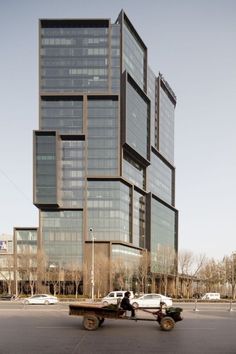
74 273
118 274
27 270
42 272
189 267
101 275
212 275
143 269
123 274
230 272
164 264
54 277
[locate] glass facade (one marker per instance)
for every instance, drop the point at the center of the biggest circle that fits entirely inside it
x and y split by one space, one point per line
139 219
133 56
62 237
26 249
160 179
134 172
45 169
151 92
63 114
166 121
126 255
74 57
109 210
115 58
125 264
163 236
137 121
102 137
26 241
72 175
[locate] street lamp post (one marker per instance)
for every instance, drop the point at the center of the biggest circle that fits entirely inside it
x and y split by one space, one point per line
233 275
92 265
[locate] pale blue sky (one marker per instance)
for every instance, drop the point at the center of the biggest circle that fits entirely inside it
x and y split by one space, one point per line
191 42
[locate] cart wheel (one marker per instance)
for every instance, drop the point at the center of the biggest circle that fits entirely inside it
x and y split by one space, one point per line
90 323
167 323
101 320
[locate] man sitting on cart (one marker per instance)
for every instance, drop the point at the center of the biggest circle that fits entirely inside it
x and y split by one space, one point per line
125 304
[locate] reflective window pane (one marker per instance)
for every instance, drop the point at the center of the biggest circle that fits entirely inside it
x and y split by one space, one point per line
45 149
134 172
62 235
102 137
137 121
71 178
151 92
163 238
133 56
139 219
74 58
115 58
160 179
62 114
109 210
166 121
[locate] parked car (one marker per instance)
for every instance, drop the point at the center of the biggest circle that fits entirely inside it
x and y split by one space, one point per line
113 296
5 297
211 296
151 300
41 299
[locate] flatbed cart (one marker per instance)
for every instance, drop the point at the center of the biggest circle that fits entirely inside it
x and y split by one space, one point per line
94 315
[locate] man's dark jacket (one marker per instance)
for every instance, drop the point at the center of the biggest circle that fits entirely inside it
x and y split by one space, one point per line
125 304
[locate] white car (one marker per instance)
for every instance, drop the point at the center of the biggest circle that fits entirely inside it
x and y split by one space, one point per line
41 299
114 296
211 296
151 300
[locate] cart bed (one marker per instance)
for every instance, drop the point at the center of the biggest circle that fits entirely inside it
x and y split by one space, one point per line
97 310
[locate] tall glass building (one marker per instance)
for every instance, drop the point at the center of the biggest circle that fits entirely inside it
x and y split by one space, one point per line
104 151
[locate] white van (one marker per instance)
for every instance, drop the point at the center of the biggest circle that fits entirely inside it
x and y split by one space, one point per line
211 296
113 296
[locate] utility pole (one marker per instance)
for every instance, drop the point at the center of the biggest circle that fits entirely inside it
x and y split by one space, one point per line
92 264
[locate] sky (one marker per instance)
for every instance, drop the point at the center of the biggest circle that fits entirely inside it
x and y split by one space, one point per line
193 44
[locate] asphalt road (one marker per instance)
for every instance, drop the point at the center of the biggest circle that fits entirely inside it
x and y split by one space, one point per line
38 329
